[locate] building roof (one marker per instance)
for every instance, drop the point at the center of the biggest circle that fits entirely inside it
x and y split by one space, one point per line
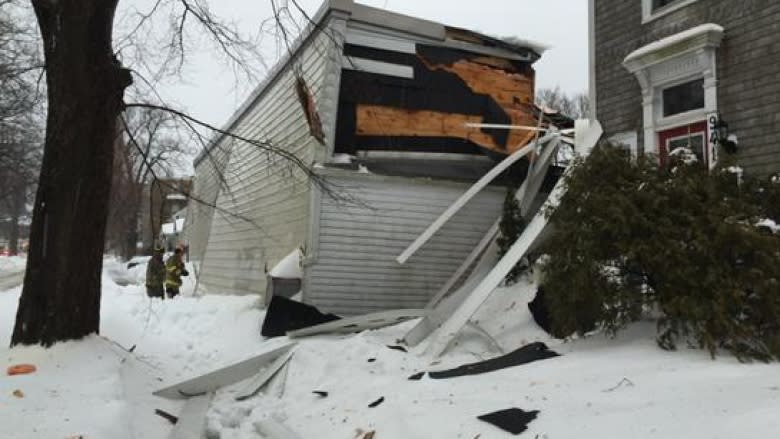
428 31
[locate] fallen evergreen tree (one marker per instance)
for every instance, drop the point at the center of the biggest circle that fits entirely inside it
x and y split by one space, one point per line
680 243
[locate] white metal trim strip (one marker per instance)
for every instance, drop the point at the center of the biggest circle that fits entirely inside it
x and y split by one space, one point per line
378 67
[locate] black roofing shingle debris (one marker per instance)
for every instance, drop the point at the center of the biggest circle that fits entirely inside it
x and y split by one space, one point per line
284 315
417 377
513 420
320 393
397 348
526 354
377 402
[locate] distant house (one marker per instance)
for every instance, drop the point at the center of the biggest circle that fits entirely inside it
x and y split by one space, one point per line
670 73
379 102
171 232
160 203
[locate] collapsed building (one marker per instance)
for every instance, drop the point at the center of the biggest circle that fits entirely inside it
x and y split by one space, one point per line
378 106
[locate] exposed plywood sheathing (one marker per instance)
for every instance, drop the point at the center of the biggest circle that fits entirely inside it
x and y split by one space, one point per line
514 92
376 120
426 112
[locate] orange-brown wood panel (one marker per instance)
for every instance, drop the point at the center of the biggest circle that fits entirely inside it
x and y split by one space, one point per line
499 63
507 88
377 120
514 92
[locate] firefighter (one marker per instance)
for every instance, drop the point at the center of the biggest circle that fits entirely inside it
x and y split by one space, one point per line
174 270
155 274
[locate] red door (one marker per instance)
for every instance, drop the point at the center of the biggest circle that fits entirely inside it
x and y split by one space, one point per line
693 136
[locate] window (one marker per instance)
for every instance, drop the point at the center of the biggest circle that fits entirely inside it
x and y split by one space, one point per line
693 142
684 97
652 9
658 4
678 78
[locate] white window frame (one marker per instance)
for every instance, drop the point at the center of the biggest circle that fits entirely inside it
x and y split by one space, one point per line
649 15
665 122
674 60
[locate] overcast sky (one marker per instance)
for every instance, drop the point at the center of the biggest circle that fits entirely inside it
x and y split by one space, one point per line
210 91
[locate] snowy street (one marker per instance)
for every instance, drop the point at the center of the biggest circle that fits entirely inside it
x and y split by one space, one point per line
598 388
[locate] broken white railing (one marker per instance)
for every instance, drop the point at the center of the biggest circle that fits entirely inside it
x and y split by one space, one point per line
469 194
448 317
483 257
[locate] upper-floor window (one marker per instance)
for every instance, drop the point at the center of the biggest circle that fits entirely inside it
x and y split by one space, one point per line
658 4
652 9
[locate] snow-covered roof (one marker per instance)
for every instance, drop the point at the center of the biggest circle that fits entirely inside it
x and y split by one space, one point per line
712 32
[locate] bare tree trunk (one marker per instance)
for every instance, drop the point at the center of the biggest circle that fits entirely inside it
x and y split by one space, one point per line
61 295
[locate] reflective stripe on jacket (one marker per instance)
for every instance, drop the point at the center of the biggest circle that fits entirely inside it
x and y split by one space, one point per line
173 269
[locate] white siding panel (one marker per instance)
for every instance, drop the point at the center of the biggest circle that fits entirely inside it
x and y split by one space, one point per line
268 200
209 176
355 270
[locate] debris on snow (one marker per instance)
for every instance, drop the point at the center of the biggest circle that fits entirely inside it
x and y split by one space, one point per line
625 381
227 375
377 402
360 323
167 416
416 377
21 369
285 315
526 354
513 420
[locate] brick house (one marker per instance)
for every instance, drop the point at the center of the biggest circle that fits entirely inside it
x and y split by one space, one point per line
670 73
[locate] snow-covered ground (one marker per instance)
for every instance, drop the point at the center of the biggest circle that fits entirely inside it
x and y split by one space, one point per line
603 388
10 264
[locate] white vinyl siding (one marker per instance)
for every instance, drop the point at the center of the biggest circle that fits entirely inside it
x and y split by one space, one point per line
263 214
355 270
200 210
